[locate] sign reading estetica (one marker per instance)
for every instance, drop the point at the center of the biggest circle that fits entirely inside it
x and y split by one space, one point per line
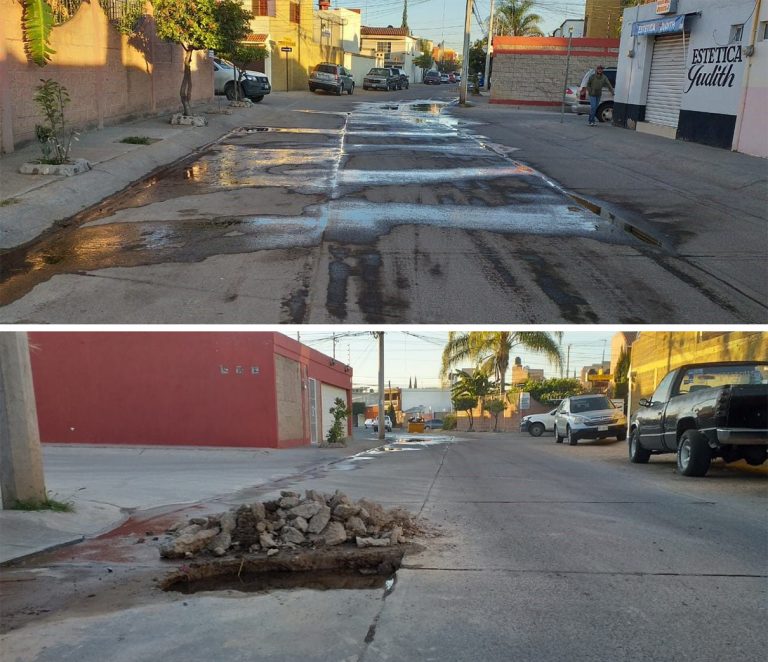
721 74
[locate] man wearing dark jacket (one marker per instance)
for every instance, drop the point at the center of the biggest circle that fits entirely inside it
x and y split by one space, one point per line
597 81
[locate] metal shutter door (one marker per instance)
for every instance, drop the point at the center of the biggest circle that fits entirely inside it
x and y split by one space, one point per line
665 85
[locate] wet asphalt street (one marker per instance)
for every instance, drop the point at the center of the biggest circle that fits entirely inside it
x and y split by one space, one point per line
372 208
543 552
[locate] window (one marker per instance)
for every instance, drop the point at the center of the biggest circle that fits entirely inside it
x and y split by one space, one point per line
295 12
736 33
384 47
661 394
263 7
762 33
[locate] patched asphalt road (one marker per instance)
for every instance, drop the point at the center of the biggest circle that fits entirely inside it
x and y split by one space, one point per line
376 208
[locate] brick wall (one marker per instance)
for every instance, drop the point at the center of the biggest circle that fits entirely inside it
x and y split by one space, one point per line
530 71
108 76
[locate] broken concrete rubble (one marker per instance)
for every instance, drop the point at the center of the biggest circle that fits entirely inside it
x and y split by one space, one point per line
288 523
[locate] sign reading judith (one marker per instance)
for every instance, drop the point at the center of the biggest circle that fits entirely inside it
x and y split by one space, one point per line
713 67
658 26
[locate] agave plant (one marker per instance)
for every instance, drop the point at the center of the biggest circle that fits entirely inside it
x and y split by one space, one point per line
38 23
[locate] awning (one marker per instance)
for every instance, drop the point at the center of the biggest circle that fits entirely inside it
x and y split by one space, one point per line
669 25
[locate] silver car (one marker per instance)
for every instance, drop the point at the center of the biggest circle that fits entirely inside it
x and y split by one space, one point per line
580 105
589 417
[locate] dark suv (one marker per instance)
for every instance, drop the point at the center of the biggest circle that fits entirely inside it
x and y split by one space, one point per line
331 77
432 77
380 78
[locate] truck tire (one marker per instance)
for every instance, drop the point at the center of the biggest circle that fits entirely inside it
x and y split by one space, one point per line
572 438
558 438
536 429
637 454
693 454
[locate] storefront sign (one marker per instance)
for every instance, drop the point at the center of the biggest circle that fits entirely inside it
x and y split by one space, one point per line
713 67
666 6
670 25
525 401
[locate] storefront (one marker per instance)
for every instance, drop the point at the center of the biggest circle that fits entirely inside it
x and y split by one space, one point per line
695 70
238 389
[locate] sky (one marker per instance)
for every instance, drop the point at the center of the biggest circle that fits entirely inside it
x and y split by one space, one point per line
444 19
417 352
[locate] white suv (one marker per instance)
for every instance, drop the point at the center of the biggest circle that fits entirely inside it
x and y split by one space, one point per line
589 417
605 110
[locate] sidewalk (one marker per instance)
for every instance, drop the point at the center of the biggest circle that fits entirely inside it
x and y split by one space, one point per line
106 484
31 204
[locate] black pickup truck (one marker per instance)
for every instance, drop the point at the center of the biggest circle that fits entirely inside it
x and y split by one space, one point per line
702 411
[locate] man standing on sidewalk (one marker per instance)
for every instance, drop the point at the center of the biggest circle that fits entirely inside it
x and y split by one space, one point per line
597 81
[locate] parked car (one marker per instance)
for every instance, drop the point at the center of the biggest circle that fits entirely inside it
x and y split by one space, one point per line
702 411
537 424
432 77
387 424
368 424
605 109
404 80
433 424
380 78
254 85
331 77
571 96
444 78
588 417
457 76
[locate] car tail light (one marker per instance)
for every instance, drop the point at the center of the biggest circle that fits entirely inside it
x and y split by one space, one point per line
568 90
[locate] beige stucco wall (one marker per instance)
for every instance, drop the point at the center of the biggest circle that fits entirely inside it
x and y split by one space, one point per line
108 76
290 419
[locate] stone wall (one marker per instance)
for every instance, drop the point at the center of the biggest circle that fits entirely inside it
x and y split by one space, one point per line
530 71
109 76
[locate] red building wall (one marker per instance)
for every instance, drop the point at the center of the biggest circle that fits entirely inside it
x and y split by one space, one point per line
209 389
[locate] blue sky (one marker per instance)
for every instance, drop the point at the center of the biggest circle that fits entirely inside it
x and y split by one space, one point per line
444 19
416 352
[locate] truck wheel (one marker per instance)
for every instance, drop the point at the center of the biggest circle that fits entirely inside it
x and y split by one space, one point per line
572 438
637 454
605 112
558 438
339 90
536 429
351 89
693 454
755 455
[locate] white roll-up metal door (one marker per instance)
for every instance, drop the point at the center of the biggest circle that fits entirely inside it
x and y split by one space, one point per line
665 84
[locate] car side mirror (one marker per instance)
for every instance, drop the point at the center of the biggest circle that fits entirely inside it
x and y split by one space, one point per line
644 402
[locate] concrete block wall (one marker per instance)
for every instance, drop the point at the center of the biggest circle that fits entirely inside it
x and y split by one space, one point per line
109 76
530 71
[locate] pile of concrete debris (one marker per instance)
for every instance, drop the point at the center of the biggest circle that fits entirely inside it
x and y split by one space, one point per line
290 522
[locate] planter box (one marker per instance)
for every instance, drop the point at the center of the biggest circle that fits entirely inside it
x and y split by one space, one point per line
66 169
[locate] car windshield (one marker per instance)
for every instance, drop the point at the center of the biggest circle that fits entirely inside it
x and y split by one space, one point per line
378 72
596 403
696 379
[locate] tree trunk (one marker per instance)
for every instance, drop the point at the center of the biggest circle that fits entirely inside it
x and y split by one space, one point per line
471 421
186 82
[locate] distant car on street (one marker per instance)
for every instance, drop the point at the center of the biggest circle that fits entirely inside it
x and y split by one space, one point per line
331 77
254 85
589 417
433 424
402 76
432 77
387 424
381 78
445 78
537 424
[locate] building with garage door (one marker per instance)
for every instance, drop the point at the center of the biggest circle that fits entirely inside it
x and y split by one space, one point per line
187 389
696 70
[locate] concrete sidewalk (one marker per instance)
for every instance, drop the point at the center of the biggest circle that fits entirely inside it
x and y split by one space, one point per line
106 484
31 204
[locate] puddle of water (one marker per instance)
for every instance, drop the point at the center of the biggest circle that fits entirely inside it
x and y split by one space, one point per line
264 582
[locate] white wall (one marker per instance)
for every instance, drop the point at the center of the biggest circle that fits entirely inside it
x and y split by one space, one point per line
436 399
359 65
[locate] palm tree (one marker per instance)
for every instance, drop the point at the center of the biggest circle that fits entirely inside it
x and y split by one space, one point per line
514 18
490 350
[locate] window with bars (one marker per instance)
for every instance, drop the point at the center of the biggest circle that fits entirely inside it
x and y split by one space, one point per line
384 47
295 12
263 7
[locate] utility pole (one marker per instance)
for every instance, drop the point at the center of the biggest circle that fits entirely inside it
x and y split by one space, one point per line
568 361
465 56
21 459
333 336
488 52
381 384
567 73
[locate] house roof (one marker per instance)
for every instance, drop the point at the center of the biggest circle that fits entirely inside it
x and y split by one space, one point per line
256 38
388 32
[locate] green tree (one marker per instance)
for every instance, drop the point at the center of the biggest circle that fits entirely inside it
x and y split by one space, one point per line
392 415
404 23
496 406
340 412
474 387
514 18
194 26
233 27
477 57
551 389
490 350
424 61
621 375
465 403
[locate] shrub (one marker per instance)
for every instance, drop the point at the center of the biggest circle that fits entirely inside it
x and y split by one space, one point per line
340 412
449 422
54 137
